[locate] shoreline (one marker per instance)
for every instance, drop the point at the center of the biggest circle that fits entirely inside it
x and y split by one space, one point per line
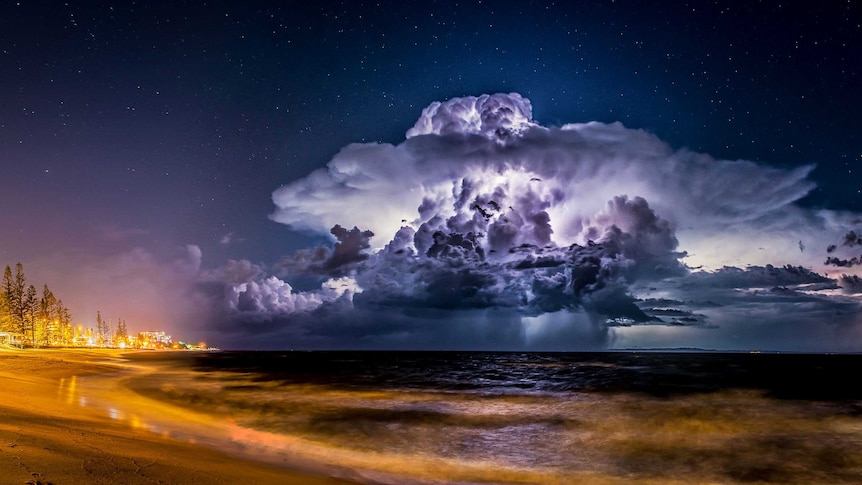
51 432
109 416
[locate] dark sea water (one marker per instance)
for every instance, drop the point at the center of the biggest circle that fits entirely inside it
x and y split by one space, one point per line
468 417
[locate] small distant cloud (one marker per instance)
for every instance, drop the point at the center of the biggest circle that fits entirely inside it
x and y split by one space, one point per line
851 283
230 238
117 234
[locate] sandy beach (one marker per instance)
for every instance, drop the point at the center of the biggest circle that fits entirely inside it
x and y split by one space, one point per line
49 433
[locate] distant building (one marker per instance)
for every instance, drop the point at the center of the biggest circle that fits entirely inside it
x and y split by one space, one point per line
152 340
12 338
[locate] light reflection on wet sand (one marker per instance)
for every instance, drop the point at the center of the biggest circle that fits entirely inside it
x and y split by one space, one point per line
68 389
723 437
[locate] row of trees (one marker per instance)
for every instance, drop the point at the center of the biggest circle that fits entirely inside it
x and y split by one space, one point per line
41 319
107 335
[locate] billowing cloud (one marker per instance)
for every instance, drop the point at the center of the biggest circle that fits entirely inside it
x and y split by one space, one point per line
487 229
496 116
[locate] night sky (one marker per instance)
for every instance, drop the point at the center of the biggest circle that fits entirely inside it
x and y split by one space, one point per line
142 145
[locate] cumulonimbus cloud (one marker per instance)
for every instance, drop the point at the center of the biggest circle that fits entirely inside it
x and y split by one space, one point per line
481 210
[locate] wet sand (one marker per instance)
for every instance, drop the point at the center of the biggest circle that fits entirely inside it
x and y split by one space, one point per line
50 434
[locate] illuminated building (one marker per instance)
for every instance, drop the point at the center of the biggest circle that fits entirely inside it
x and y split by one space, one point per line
152 340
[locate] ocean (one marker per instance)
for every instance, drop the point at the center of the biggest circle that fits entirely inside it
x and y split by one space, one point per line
486 417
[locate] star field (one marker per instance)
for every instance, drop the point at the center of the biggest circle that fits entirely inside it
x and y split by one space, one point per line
153 125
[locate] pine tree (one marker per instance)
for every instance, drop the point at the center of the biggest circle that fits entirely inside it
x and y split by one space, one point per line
64 317
122 335
19 303
100 328
6 301
48 320
29 313
13 288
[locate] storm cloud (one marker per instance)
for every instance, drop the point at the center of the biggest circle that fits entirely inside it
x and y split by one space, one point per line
485 229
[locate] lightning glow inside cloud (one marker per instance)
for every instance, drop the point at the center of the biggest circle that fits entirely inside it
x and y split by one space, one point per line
485 229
